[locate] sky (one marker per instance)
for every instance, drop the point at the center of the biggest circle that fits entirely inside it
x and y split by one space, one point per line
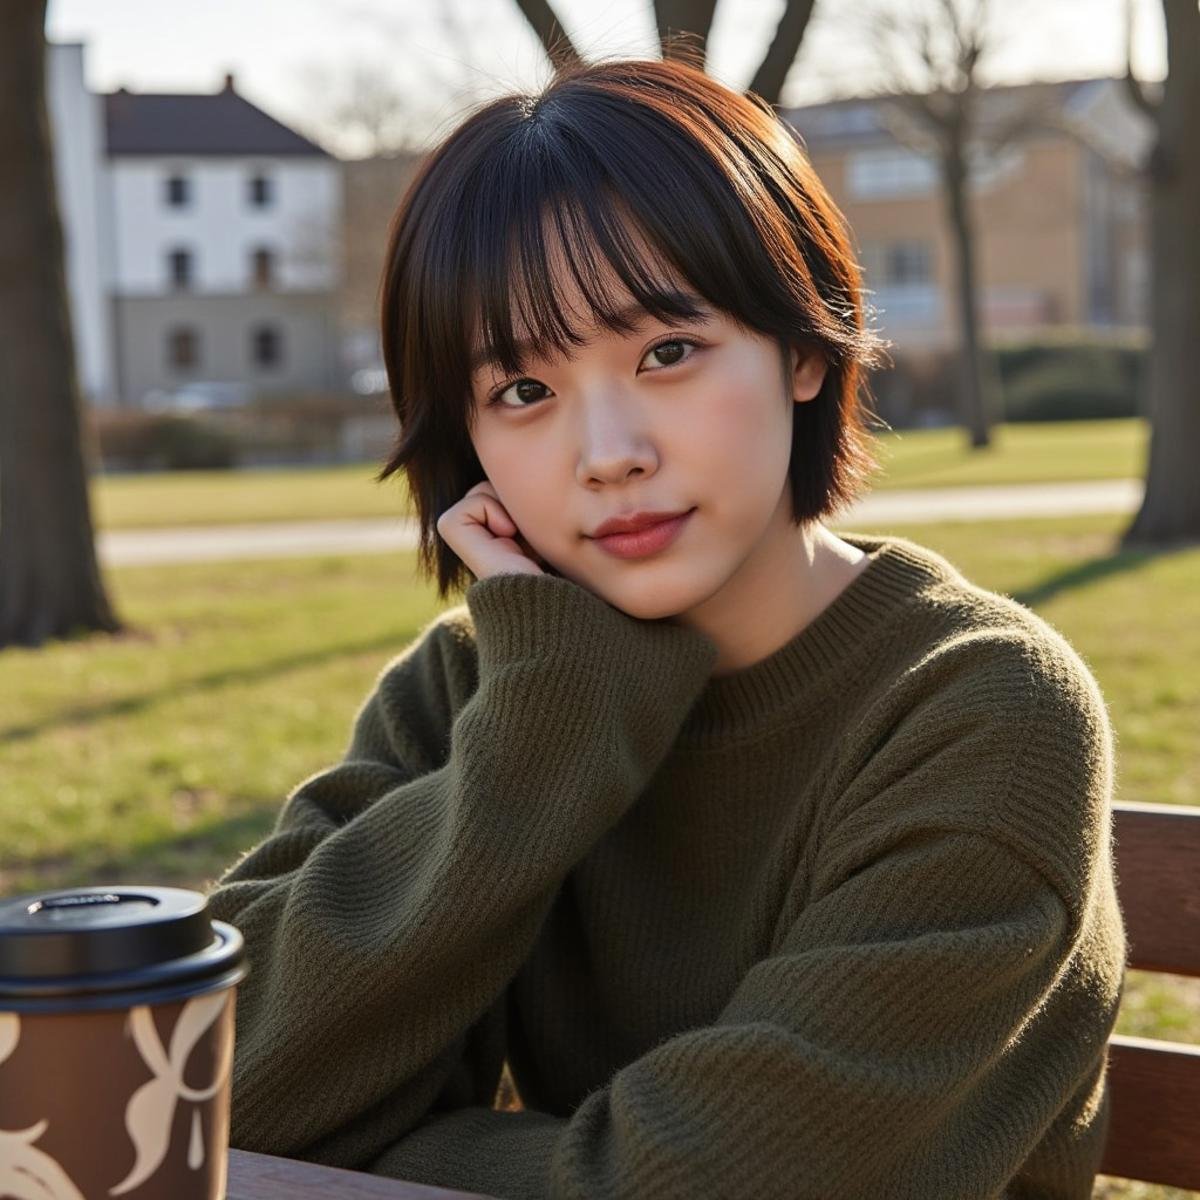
290 57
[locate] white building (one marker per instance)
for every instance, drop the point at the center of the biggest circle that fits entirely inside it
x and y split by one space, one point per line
202 240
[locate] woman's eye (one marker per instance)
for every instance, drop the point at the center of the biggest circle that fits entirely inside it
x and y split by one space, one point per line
520 388
524 392
671 349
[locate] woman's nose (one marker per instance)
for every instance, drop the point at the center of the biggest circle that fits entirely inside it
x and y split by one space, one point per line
614 443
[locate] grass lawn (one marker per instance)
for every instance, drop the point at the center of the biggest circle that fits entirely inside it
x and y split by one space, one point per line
159 757
1028 453
1032 452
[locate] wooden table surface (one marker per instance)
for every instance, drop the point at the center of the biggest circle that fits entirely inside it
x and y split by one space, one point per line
264 1177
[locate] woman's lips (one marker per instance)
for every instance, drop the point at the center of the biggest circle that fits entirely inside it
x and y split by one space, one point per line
646 541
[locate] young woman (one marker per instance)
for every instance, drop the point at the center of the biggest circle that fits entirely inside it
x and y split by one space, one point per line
771 862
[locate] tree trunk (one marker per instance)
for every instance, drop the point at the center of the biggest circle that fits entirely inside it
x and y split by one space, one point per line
693 19
689 22
685 23
973 406
50 582
545 23
772 72
1170 510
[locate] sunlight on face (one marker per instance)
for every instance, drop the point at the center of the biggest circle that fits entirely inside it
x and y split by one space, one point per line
683 416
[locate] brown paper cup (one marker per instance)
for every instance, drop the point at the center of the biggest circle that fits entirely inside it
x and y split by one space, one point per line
116 1045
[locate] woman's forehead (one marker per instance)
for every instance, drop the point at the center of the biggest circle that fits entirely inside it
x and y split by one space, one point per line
589 311
632 316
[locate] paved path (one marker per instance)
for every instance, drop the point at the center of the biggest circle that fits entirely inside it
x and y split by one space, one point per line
383 535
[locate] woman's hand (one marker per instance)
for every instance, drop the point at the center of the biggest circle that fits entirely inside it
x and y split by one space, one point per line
479 530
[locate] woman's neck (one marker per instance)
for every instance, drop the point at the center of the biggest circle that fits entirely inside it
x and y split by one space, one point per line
792 575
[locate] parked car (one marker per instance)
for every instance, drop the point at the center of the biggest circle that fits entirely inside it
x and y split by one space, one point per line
369 381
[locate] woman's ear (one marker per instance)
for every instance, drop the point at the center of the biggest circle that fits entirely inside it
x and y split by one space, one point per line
806 373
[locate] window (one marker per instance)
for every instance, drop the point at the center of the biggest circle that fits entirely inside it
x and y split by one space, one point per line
266 348
261 192
909 262
897 264
179 192
183 348
899 277
180 268
889 172
263 267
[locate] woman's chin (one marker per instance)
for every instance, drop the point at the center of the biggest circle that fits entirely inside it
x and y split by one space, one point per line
652 600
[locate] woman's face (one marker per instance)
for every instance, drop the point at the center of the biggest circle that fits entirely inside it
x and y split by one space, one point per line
686 416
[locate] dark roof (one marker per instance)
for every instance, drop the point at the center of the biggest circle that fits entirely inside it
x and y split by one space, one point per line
196 123
857 119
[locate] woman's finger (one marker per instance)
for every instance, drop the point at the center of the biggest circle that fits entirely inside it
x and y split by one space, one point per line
496 519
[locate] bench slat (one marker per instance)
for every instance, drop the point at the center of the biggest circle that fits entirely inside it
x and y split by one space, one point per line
1157 856
266 1177
1154 1134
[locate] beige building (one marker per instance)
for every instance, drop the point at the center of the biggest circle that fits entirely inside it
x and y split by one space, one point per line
371 192
1059 219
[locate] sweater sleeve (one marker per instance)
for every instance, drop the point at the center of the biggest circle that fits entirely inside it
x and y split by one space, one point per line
397 894
871 1055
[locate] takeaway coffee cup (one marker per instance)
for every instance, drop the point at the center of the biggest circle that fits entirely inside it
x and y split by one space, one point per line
116 1044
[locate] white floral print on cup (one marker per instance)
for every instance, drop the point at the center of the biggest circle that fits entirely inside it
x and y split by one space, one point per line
27 1173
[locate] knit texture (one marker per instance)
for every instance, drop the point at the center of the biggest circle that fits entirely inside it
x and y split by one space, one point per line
840 925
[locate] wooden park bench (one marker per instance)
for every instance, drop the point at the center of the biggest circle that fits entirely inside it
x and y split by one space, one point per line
1154 1135
1154 1131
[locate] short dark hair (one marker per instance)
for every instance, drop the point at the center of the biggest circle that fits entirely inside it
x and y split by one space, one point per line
714 180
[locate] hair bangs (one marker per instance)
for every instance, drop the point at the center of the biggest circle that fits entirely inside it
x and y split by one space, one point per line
577 231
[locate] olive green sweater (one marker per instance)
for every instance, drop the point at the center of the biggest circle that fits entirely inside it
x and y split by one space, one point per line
840 925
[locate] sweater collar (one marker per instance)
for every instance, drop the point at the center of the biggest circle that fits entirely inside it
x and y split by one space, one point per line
801 671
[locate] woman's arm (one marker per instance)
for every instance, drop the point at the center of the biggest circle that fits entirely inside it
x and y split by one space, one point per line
393 903
876 1053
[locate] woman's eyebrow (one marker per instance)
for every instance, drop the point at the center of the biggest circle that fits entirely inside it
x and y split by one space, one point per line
634 313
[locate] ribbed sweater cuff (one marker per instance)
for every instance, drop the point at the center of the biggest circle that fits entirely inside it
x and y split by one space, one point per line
520 617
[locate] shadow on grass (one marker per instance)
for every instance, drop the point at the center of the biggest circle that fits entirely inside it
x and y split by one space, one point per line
192 859
129 705
1092 571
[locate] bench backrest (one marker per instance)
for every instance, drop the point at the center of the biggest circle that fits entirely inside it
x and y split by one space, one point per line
1154 1133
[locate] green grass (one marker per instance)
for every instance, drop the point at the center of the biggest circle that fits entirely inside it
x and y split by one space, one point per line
160 754
1025 453
231 497
159 757
1031 453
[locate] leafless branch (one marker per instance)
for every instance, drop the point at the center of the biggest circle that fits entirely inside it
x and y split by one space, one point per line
1035 113
1119 164
914 131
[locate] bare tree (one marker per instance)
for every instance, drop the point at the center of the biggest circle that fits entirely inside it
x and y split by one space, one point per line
377 108
1170 510
930 56
683 29
50 583
362 108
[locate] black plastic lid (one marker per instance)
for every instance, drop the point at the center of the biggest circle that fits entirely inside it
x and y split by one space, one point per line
112 947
